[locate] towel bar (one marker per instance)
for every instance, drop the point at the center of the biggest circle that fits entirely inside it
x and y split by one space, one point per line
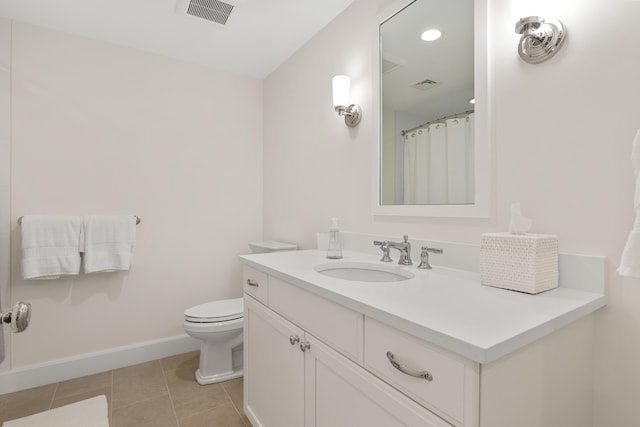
138 220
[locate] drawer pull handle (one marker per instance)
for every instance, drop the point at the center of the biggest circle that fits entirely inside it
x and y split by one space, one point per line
252 283
294 339
408 371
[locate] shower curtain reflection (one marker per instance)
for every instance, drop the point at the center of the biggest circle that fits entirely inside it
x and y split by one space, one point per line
439 163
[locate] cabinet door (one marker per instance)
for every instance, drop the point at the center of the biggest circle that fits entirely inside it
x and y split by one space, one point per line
274 368
340 393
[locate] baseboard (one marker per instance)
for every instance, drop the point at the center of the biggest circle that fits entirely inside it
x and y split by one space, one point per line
93 363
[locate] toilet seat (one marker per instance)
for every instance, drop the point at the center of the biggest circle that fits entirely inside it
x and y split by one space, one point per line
215 311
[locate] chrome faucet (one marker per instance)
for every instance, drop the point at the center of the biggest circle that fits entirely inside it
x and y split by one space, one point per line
405 250
424 257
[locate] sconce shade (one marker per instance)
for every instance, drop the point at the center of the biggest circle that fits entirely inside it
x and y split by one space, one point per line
351 112
341 88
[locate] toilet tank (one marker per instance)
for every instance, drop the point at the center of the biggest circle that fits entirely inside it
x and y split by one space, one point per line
263 246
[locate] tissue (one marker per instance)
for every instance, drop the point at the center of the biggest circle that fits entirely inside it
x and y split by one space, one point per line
518 224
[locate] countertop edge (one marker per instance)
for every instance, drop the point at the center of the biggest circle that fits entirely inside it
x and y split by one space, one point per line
463 348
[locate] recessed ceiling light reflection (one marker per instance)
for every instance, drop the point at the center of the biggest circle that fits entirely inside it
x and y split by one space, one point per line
431 35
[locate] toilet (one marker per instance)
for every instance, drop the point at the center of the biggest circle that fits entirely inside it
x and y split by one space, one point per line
218 324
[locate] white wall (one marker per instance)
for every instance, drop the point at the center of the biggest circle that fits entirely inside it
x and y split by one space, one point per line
104 129
5 186
561 133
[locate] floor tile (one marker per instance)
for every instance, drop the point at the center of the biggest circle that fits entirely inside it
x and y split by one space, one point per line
170 363
187 395
26 402
190 397
224 415
137 383
84 385
156 412
161 393
234 389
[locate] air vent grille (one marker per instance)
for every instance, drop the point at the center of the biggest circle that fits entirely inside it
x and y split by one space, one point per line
425 84
388 65
211 10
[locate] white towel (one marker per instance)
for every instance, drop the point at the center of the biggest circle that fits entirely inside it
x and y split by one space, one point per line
630 261
108 242
50 246
92 412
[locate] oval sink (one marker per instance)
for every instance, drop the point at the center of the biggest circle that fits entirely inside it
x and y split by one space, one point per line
364 272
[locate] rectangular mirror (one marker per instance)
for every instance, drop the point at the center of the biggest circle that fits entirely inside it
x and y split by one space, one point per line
433 139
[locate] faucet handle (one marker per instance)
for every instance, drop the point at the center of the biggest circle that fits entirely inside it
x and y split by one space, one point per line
424 257
384 247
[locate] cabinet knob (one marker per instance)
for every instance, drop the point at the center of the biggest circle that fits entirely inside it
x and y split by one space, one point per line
304 346
252 283
294 339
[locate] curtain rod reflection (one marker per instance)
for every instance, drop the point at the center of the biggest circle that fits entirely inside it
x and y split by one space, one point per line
441 119
138 219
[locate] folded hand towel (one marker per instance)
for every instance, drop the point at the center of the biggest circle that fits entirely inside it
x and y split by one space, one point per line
108 242
50 246
630 261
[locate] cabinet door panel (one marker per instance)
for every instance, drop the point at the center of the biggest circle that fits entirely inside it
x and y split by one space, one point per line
336 325
274 369
340 393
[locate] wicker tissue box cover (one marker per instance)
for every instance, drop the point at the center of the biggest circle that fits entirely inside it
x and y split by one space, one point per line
520 262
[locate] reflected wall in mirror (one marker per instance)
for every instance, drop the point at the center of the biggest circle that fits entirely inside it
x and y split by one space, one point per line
431 153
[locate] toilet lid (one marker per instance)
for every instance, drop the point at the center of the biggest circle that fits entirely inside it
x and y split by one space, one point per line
215 311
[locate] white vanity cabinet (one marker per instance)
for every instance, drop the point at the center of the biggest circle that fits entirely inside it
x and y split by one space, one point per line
439 350
293 379
303 367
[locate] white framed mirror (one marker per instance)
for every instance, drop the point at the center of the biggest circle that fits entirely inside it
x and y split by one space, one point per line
421 96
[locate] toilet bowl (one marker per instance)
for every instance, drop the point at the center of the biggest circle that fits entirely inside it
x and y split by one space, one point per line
218 324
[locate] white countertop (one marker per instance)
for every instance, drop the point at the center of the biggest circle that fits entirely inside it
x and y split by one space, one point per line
447 307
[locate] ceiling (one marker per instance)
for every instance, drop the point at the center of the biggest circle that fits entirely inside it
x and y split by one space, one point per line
448 61
258 36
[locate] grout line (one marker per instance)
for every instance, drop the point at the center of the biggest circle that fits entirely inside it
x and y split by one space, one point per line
166 383
111 402
240 414
53 396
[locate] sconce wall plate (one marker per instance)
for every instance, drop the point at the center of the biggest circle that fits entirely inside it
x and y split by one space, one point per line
541 38
352 114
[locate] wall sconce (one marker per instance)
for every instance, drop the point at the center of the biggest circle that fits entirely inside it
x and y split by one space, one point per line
352 114
541 38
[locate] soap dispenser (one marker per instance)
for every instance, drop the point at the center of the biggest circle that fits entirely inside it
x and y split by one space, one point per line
334 250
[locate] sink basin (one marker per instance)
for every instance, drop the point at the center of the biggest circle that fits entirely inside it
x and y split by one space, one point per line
364 272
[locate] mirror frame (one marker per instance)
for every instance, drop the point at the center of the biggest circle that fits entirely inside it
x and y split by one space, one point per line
482 155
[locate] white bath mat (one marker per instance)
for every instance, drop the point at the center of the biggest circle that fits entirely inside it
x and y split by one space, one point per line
87 413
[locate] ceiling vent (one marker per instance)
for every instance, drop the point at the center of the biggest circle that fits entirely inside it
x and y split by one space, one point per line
390 63
210 10
425 84
388 66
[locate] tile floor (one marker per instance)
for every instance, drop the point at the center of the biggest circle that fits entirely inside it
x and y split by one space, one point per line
155 394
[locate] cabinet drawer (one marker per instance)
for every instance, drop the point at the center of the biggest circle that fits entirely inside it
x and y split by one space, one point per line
341 393
334 324
452 391
255 283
